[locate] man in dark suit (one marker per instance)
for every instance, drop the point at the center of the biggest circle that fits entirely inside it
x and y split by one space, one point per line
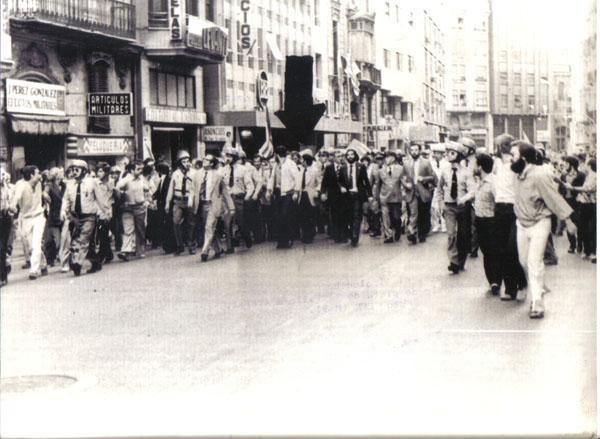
167 236
356 189
424 180
332 195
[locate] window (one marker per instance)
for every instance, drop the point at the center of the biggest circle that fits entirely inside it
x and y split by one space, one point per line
229 83
173 90
481 73
481 98
462 98
516 78
410 64
399 61
98 83
158 13
531 101
191 7
462 72
531 79
455 99
503 76
517 101
318 69
561 90
504 101
386 58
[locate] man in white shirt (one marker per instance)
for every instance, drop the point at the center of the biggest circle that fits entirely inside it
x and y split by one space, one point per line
289 174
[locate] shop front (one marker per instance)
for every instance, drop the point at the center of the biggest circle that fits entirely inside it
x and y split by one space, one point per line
167 130
217 137
37 124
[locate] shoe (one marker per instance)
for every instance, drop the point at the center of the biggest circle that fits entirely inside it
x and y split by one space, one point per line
495 289
354 242
536 310
76 269
26 265
474 254
44 271
388 241
192 251
584 256
33 276
453 268
96 267
229 251
462 267
204 257
571 250
422 239
593 259
123 256
412 239
508 295
397 235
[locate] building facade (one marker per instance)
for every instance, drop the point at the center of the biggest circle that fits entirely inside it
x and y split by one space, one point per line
262 33
520 74
60 53
561 108
587 115
468 85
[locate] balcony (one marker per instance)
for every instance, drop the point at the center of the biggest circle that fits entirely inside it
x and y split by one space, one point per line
370 78
107 17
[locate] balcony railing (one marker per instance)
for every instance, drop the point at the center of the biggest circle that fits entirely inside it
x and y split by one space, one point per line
111 17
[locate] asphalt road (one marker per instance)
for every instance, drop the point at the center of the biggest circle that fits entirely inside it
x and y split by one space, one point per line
319 339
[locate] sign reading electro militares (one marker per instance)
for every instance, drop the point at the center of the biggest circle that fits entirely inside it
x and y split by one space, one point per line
262 89
175 19
35 98
109 104
92 146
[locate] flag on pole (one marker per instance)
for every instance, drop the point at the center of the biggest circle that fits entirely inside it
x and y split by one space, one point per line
267 149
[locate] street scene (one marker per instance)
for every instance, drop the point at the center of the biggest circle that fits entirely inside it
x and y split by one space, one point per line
294 217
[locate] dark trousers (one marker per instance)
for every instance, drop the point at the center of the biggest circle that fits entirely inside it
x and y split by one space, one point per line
284 229
339 226
506 227
51 242
116 228
423 219
253 220
6 222
473 240
153 228
268 221
306 219
240 218
103 239
354 216
575 240
488 242
587 225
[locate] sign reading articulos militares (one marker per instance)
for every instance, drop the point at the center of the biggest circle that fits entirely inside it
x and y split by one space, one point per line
35 98
109 104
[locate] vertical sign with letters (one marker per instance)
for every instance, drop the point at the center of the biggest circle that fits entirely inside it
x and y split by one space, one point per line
245 36
175 20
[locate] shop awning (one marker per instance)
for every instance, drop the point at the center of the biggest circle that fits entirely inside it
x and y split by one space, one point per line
46 125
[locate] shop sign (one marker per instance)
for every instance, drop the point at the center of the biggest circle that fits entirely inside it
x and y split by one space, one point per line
424 133
109 104
35 98
174 116
245 33
542 136
206 36
175 19
93 146
217 133
262 88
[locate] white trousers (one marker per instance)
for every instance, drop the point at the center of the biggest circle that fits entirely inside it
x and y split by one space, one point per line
531 243
32 232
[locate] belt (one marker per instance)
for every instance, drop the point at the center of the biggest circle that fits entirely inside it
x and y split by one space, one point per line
84 215
206 201
453 203
176 198
238 195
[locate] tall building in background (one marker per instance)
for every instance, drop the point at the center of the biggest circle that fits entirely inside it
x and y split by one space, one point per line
561 105
520 73
468 84
262 33
587 116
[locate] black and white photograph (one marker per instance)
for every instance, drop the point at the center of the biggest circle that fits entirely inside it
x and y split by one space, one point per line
298 218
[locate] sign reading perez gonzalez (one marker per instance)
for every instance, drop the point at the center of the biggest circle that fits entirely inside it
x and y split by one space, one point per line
109 104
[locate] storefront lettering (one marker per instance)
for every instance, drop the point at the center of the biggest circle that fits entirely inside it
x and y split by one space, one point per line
175 22
35 98
87 146
245 28
174 116
109 104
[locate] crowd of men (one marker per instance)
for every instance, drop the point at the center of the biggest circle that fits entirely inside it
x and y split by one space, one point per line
507 206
